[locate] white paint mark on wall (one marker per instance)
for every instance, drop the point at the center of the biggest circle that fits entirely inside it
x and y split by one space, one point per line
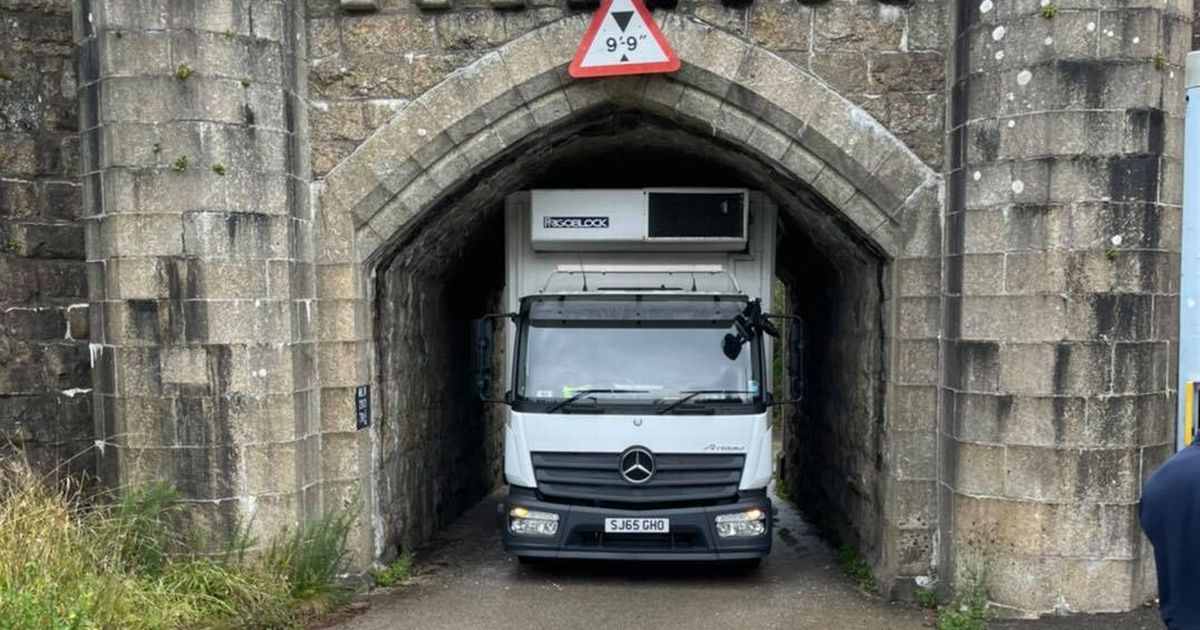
75 391
94 350
890 13
1116 240
998 33
1048 41
1024 77
976 175
1012 123
1018 186
985 6
1091 26
999 55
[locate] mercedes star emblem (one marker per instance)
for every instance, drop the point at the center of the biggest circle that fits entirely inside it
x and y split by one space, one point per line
637 465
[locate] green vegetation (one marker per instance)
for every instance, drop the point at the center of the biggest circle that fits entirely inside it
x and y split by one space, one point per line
70 561
969 610
219 169
400 570
926 596
4 76
183 72
781 489
1160 62
180 164
1050 12
157 148
856 567
245 83
1111 252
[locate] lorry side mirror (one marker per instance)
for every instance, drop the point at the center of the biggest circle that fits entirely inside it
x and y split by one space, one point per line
795 356
731 345
482 342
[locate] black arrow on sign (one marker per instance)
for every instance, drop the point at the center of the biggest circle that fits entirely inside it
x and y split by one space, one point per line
622 18
624 58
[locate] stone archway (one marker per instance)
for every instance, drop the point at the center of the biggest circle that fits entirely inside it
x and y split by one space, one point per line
863 180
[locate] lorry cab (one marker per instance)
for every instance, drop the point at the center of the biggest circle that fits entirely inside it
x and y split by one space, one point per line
637 380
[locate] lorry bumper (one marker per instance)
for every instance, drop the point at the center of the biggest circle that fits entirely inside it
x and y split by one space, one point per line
692 535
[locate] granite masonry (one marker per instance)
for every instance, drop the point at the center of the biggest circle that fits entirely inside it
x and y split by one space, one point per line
220 218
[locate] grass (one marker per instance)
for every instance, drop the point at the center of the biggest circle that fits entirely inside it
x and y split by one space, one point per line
926 597
781 489
969 609
70 561
1050 12
856 567
400 570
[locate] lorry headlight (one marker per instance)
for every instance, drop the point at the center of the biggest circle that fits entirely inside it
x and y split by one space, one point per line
749 523
532 523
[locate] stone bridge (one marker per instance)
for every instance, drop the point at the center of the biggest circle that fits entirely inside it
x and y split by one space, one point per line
222 217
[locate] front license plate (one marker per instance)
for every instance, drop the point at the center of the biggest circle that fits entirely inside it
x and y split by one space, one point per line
637 526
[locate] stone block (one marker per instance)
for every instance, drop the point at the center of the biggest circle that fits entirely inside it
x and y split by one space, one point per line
911 504
919 317
1132 226
846 72
912 408
912 455
1027 368
269 469
1014 318
1118 271
858 27
1099 585
1035 272
134 53
1116 316
983 274
1061 475
801 163
234 235
1021 227
976 365
779 26
978 469
339 456
1140 367
917 362
714 56
341 361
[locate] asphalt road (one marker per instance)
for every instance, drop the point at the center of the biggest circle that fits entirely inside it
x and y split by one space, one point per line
465 580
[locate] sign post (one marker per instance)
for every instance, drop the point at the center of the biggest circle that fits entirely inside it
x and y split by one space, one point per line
621 40
1189 286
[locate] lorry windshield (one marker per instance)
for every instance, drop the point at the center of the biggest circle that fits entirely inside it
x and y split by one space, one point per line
654 352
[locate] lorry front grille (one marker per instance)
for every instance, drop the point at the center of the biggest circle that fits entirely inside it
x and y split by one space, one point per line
679 478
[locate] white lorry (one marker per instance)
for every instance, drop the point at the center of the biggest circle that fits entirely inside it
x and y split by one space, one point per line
638 379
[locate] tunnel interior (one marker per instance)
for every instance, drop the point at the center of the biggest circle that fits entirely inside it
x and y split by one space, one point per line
441 449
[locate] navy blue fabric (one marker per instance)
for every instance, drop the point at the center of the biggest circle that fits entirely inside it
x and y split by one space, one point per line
1170 514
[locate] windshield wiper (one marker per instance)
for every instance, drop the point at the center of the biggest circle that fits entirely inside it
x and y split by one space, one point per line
696 392
584 392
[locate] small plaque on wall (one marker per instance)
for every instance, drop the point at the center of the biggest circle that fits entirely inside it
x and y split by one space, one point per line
362 407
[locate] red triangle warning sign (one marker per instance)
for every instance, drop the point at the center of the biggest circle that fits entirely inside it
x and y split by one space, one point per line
622 39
